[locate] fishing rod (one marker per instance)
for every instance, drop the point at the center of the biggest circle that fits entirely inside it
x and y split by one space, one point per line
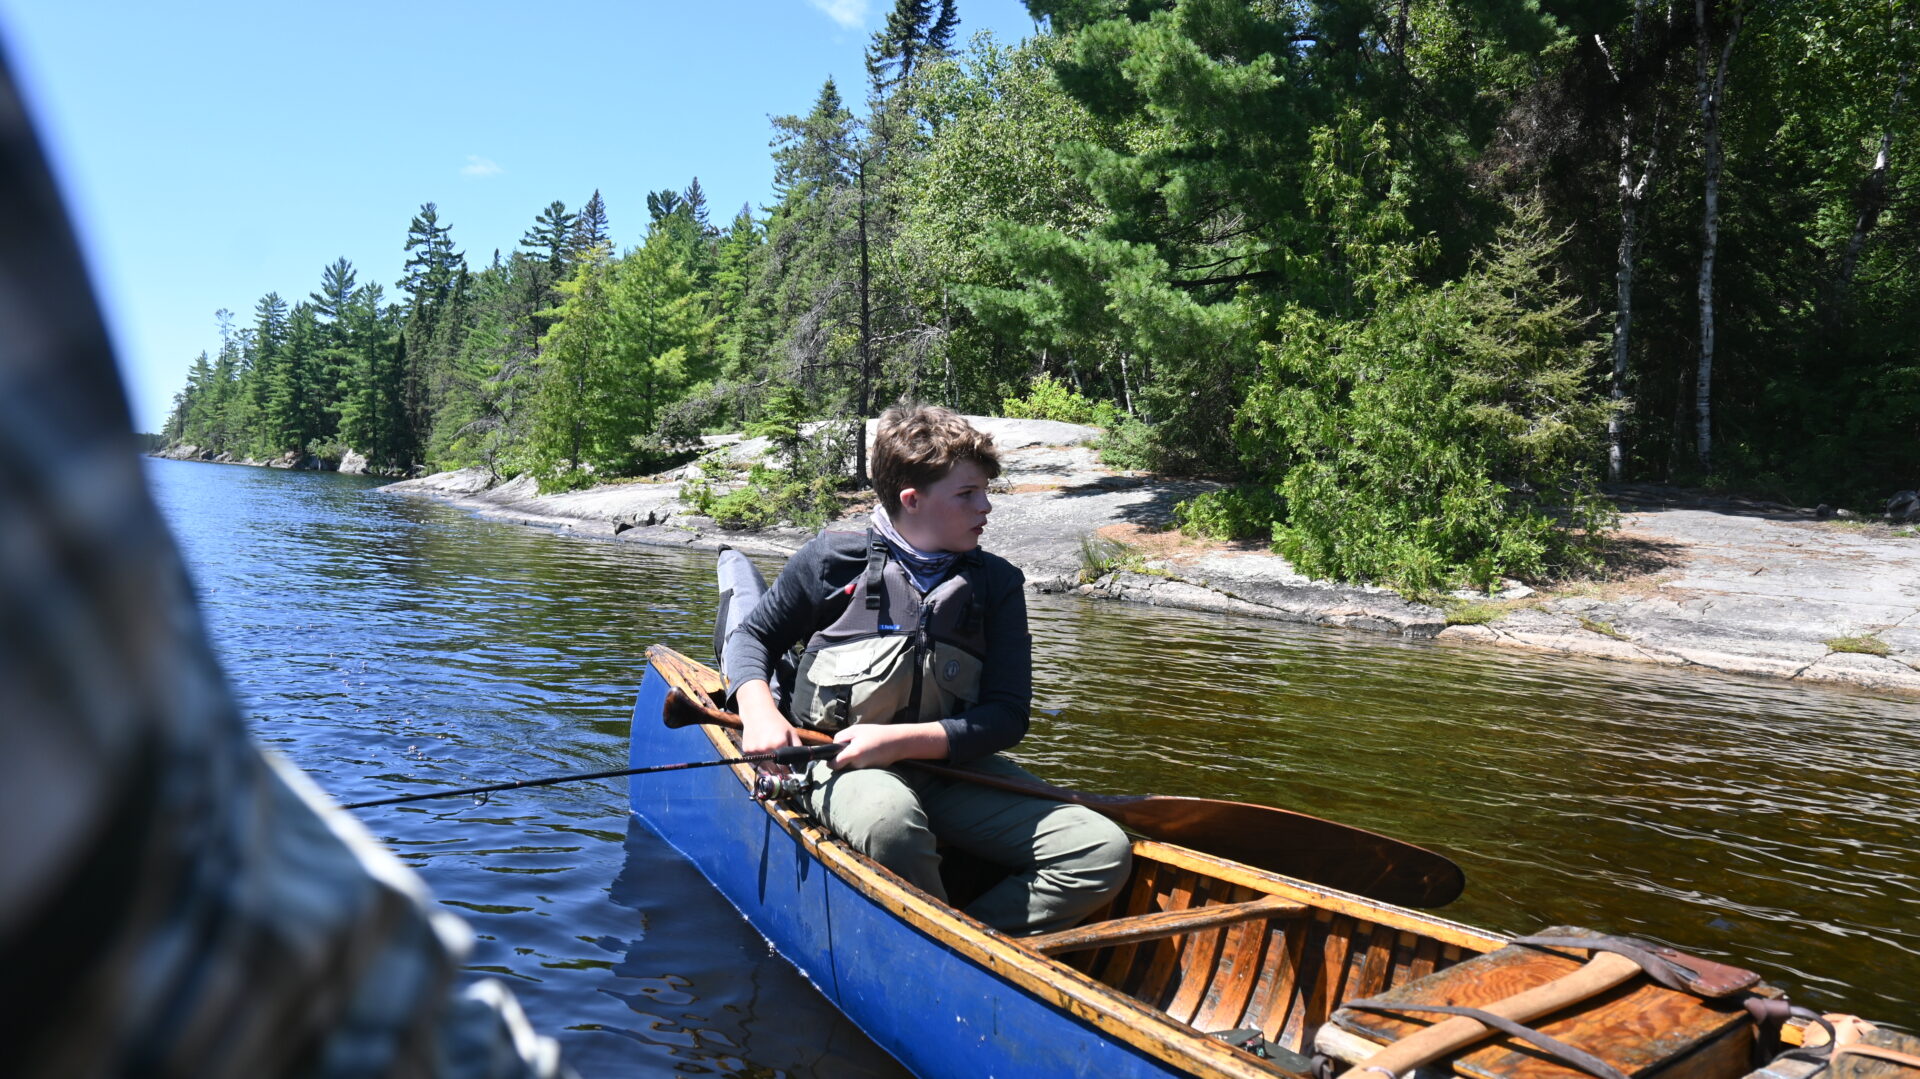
783 755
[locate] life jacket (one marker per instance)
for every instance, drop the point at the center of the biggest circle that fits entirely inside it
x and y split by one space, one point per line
894 654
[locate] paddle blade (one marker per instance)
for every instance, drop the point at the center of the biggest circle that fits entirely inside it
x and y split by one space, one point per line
1293 844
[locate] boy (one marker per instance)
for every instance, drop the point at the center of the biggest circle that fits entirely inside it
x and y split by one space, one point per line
917 649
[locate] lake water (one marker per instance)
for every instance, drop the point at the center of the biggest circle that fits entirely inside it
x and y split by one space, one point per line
387 644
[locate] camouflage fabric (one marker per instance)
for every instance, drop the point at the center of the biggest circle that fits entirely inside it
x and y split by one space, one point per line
173 901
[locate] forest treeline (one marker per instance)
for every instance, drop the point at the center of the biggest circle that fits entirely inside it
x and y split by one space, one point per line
1418 276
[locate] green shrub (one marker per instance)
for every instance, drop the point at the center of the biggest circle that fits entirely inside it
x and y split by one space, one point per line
1100 556
1467 613
571 479
1232 513
771 497
1866 646
1445 435
330 451
1048 398
1130 445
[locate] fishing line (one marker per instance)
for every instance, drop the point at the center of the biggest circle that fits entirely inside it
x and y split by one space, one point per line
783 755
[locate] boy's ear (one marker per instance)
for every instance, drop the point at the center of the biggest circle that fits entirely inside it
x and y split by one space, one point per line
910 499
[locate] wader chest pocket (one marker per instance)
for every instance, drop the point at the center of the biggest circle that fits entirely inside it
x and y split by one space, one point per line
869 680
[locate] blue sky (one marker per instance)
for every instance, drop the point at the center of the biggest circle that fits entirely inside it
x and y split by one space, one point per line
213 151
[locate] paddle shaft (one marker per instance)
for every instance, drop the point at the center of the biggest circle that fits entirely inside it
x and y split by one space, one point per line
783 755
684 711
1278 840
1601 973
690 712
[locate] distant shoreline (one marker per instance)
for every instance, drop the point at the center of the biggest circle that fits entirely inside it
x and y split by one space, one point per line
1722 584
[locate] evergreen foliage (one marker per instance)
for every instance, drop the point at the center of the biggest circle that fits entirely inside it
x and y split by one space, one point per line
1448 434
627 340
554 235
590 228
916 31
1396 272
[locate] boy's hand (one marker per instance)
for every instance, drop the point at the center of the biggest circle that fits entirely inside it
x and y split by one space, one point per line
762 727
876 745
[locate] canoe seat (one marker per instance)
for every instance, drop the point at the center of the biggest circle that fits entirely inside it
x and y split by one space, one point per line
1160 923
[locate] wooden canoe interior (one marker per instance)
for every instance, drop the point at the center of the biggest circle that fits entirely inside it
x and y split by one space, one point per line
1283 974
1219 946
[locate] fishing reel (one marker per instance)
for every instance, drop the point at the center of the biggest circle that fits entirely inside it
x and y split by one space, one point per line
773 788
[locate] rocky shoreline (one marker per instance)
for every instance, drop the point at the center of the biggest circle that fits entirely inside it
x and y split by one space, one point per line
350 462
1728 585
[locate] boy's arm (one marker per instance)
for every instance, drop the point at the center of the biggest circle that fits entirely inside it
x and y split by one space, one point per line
1006 684
784 615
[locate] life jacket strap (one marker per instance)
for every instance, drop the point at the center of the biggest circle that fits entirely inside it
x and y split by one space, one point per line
876 566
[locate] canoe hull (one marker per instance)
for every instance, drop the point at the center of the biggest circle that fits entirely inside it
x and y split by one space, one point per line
938 1011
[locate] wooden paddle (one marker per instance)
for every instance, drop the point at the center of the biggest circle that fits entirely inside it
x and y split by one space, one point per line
1277 840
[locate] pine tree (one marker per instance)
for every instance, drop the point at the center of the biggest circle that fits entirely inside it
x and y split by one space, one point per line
224 431
435 277
334 362
745 329
626 342
552 234
661 204
293 413
897 47
195 405
695 201
269 342
372 419
940 34
805 287
430 256
839 308
335 296
590 228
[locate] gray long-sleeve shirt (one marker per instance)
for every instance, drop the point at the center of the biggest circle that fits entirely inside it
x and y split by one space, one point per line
810 593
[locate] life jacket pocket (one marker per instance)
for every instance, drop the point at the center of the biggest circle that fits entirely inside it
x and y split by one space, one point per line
952 681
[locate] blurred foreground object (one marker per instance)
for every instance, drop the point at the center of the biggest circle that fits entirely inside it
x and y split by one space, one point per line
172 900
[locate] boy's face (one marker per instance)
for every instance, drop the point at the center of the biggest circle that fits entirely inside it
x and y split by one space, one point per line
948 514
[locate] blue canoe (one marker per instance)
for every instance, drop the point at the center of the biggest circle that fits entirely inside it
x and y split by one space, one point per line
1195 946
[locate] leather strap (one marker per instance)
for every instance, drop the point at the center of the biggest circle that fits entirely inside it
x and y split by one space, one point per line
1877 1053
1553 1047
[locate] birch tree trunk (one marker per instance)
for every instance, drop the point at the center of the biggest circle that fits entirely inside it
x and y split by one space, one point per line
1712 86
866 338
1873 195
1635 179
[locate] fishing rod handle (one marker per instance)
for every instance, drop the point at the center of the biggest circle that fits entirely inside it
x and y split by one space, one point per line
802 754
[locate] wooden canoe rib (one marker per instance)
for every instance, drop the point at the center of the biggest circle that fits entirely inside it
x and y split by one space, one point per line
1194 944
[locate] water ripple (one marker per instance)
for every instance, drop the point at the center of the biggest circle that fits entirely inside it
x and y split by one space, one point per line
392 646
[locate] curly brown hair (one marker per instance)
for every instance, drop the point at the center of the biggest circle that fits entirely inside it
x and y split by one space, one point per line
917 445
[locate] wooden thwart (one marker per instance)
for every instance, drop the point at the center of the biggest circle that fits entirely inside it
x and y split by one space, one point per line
1136 928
